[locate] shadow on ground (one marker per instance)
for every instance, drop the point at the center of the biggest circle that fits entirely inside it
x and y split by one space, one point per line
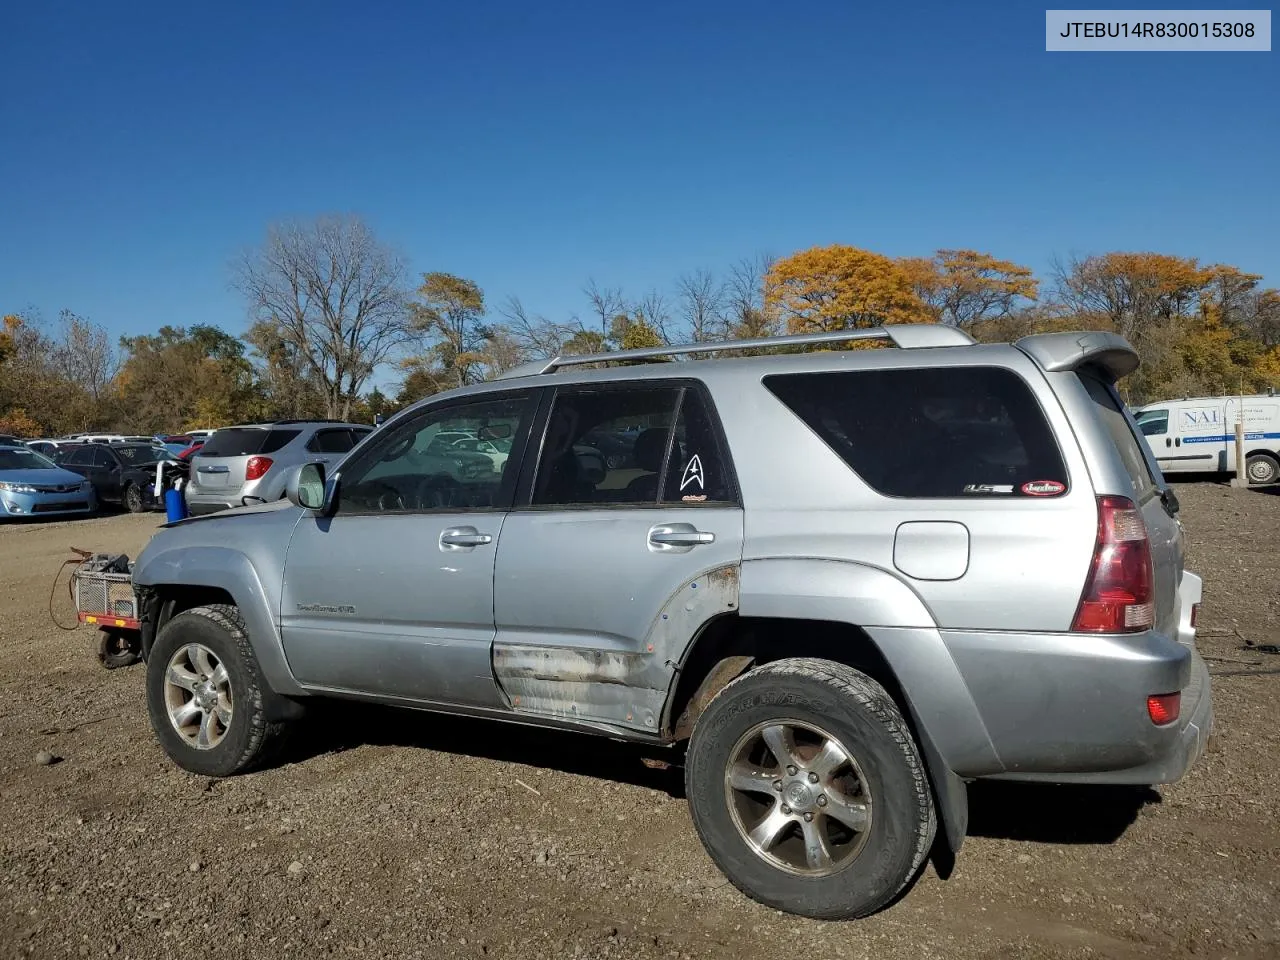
1033 812
1054 813
332 727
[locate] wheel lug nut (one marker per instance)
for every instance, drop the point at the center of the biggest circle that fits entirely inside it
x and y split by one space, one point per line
786 810
808 817
813 778
777 784
791 771
822 801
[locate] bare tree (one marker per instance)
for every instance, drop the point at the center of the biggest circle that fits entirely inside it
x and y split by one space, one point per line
654 310
749 315
702 301
607 303
85 356
335 294
536 335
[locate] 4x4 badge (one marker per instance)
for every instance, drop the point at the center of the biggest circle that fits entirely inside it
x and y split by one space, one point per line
1043 488
693 472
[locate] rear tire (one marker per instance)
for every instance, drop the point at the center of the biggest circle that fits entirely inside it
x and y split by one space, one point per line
1261 469
206 696
854 818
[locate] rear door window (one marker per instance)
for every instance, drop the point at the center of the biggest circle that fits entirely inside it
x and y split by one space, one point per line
699 470
578 469
1111 412
950 432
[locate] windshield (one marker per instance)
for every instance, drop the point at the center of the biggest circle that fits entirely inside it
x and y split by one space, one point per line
25 460
135 453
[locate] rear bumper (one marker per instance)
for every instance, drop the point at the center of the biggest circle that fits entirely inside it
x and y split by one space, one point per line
200 505
1072 708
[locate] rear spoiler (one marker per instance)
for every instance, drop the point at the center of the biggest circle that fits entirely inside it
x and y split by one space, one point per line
1106 353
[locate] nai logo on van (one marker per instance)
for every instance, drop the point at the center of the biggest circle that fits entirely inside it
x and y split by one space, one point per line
1043 488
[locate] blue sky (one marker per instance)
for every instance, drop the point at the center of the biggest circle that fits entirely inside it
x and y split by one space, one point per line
533 146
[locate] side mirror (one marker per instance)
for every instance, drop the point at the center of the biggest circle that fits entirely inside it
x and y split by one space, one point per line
307 488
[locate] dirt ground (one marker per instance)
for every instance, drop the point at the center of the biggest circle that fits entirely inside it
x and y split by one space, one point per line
398 834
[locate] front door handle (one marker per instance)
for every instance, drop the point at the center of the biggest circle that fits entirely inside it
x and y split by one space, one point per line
463 538
670 536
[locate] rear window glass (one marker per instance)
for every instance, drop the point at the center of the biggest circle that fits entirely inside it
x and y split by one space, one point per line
1129 446
235 442
245 442
955 432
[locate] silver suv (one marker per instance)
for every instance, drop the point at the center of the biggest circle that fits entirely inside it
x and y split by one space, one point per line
247 464
839 585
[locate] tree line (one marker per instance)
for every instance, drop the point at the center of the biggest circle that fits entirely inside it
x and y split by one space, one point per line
333 312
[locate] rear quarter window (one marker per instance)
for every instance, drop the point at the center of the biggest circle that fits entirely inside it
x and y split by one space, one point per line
944 432
1111 413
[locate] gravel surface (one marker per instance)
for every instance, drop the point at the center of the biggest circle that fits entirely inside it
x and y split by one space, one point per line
400 834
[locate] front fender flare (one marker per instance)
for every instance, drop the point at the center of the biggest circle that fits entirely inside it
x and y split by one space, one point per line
232 571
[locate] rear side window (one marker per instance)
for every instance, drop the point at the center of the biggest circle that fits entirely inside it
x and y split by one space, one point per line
331 441
1111 413
949 432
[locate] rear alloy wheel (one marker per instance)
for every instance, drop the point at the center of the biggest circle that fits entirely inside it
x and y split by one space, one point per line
133 498
808 791
1261 469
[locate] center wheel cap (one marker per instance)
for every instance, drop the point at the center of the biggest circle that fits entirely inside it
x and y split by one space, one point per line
798 795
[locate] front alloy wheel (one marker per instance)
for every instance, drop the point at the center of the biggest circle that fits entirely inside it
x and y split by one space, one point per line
197 696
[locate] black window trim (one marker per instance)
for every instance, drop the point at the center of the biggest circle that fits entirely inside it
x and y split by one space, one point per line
507 487
529 467
960 497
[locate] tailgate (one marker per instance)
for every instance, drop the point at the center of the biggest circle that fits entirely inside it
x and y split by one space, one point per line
222 460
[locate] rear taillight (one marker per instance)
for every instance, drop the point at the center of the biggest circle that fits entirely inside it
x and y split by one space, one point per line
256 468
1164 708
1118 594
1195 614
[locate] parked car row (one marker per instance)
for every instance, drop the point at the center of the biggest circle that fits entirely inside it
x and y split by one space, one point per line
77 478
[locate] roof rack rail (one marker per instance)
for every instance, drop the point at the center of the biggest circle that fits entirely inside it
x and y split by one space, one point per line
905 335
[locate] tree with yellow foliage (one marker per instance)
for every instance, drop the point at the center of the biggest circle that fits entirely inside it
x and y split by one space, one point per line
965 287
842 288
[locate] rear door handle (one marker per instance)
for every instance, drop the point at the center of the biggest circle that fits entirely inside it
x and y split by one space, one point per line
213 469
463 538
670 536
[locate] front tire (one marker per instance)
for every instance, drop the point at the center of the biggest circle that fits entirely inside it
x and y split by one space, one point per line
1261 469
132 499
206 696
808 791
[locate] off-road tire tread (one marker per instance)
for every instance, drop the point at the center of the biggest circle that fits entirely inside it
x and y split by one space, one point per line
265 737
876 701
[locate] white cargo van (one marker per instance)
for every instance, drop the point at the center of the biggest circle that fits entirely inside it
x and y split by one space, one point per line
1198 435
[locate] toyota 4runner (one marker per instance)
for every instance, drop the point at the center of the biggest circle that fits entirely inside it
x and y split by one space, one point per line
842 583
